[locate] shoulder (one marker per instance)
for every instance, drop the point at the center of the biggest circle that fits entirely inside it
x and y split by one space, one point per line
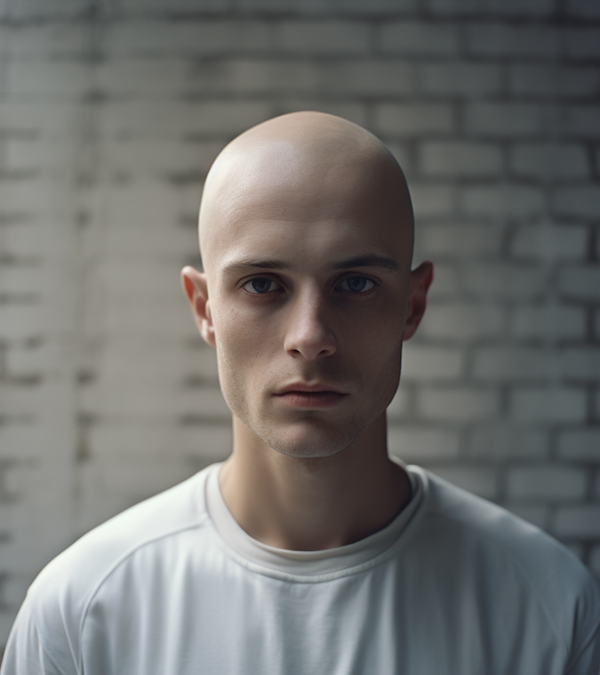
513 560
57 600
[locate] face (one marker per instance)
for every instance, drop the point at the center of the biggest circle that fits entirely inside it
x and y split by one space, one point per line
306 298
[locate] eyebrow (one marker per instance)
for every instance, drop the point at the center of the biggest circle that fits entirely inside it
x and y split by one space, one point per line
369 260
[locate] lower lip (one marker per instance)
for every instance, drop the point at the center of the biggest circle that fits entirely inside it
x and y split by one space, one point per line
311 399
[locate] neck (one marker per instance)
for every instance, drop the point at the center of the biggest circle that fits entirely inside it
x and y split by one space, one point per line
308 504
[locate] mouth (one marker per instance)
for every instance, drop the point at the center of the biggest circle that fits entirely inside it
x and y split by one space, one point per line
301 395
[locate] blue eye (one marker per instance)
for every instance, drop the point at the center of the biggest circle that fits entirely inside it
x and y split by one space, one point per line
357 284
261 285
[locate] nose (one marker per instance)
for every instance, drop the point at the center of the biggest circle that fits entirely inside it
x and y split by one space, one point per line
307 332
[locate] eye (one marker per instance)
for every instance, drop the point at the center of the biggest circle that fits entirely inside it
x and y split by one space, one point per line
357 284
261 285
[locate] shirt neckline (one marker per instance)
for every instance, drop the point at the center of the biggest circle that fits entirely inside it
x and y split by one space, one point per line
309 563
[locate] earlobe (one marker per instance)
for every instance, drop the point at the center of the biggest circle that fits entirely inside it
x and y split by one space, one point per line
420 280
196 291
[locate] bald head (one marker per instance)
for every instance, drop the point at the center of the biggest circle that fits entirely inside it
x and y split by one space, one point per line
302 166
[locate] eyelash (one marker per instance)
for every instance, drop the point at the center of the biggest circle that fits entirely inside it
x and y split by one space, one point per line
356 276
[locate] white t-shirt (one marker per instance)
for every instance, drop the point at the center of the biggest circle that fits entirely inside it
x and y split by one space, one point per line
173 586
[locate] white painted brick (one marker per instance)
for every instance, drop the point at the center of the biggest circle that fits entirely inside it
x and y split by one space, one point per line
164 241
402 154
146 317
550 80
53 119
354 112
43 360
497 39
580 444
371 77
37 154
22 279
156 362
123 400
205 36
423 363
128 280
459 78
373 8
580 282
156 78
550 405
21 442
16 196
418 444
588 9
504 441
581 121
147 6
457 404
545 160
156 157
20 321
547 242
22 399
420 39
583 43
509 8
51 39
503 200
502 120
249 76
410 119
210 442
545 482
504 280
594 561
159 120
43 9
54 79
536 515
452 158
431 200
398 408
580 363
578 202
548 321
148 203
578 521
461 321
512 363
14 589
460 241
480 481
445 284
322 37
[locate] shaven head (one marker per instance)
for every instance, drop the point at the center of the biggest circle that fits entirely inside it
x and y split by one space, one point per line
292 162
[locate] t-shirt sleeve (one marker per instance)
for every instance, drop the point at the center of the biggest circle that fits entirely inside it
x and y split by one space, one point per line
26 653
587 662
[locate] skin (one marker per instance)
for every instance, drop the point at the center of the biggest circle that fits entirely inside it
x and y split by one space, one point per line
306 232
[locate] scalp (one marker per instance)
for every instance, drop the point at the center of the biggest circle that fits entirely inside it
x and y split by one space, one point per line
297 159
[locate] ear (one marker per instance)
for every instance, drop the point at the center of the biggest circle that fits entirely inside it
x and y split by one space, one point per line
196 290
420 280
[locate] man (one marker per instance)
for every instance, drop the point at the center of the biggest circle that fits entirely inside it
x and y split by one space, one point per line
309 550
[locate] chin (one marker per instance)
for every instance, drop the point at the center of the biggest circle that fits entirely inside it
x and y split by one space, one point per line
298 441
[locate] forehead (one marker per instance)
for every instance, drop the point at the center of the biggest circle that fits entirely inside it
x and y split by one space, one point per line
289 204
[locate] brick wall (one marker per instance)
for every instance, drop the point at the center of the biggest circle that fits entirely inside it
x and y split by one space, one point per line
110 114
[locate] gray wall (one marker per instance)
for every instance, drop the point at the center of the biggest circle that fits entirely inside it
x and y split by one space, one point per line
110 114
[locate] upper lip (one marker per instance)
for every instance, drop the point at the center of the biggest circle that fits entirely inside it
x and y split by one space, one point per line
308 388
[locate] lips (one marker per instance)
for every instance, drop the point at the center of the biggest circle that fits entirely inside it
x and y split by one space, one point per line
309 388
302 395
